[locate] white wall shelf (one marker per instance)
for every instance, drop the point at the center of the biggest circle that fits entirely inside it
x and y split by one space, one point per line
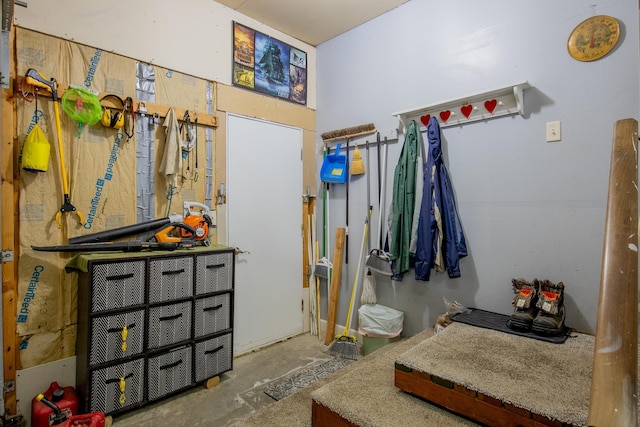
500 102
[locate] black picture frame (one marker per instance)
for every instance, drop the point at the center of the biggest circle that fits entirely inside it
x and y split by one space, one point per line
268 66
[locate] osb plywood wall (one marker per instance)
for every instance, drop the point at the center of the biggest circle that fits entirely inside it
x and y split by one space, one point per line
103 170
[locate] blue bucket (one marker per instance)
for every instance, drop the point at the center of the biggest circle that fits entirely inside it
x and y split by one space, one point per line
334 167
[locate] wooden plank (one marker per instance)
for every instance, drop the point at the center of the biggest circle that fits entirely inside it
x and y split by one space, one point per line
461 403
464 390
490 400
212 382
321 416
334 292
613 398
10 192
161 110
547 421
152 108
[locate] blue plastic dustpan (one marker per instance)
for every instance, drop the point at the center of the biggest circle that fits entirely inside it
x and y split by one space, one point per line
334 167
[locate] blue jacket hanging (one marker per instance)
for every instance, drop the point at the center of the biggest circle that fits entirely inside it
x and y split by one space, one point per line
441 242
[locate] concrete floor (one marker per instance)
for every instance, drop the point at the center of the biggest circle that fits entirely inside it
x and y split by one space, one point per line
240 392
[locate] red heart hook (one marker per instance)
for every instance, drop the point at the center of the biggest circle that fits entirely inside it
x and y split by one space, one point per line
466 110
444 115
425 119
490 105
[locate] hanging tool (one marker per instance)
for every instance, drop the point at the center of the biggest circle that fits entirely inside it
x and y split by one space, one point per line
190 141
379 260
346 223
195 127
368 295
34 78
347 133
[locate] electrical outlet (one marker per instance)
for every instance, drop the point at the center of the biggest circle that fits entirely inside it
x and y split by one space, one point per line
553 131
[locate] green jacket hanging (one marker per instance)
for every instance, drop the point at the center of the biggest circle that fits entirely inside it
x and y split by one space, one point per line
403 200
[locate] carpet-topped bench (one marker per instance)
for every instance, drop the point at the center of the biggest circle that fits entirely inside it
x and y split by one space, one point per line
499 379
530 382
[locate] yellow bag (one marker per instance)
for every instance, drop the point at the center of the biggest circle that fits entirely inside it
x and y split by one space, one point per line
35 152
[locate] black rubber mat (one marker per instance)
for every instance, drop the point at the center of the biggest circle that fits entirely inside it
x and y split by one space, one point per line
490 320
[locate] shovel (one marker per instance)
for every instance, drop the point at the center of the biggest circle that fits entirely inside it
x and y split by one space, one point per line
34 78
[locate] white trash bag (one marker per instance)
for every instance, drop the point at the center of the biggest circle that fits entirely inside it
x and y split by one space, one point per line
379 320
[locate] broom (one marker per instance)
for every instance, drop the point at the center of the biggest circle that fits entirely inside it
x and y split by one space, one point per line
357 166
351 132
345 345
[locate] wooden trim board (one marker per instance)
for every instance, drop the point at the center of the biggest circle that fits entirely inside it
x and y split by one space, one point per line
336 276
321 416
10 192
467 402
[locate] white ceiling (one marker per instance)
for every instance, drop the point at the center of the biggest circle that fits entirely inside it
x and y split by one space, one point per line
312 21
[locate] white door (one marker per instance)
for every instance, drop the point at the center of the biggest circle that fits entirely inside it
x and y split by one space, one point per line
264 215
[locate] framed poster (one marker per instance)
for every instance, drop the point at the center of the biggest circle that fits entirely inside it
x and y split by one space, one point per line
269 66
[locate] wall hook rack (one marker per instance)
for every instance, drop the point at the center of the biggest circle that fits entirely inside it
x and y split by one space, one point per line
507 100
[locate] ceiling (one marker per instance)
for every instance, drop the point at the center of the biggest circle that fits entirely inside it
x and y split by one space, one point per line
312 21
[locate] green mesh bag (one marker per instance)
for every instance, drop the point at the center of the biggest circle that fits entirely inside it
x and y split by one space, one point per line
82 106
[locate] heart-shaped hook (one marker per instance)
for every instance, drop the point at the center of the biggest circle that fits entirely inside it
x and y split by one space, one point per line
466 110
490 105
444 115
425 119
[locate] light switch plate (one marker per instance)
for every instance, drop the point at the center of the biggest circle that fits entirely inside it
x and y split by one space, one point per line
553 131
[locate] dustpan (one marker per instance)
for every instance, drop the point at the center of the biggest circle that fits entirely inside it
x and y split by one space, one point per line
334 167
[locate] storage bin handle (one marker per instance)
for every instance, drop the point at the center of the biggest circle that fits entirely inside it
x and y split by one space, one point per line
170 365
117 380
166 273
120 276
215 307
111 330
212 266
174 316
215 350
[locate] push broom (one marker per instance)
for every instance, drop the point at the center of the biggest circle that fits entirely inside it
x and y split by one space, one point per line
345 345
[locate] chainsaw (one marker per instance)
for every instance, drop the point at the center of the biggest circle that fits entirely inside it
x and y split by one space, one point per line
173 232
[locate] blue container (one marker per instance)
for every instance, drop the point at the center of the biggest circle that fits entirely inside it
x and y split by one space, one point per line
334 167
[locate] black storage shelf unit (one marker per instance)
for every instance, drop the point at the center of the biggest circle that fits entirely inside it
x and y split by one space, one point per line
151 324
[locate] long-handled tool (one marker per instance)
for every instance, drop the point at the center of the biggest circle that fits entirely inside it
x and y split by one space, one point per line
378 260
34 78
346 345
368 295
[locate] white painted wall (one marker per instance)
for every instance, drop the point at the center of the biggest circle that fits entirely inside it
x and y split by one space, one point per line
193 37
529 208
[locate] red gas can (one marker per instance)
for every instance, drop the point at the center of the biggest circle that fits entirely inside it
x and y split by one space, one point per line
65 398
94 419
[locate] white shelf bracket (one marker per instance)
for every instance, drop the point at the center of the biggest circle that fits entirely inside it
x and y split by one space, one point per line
518 93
